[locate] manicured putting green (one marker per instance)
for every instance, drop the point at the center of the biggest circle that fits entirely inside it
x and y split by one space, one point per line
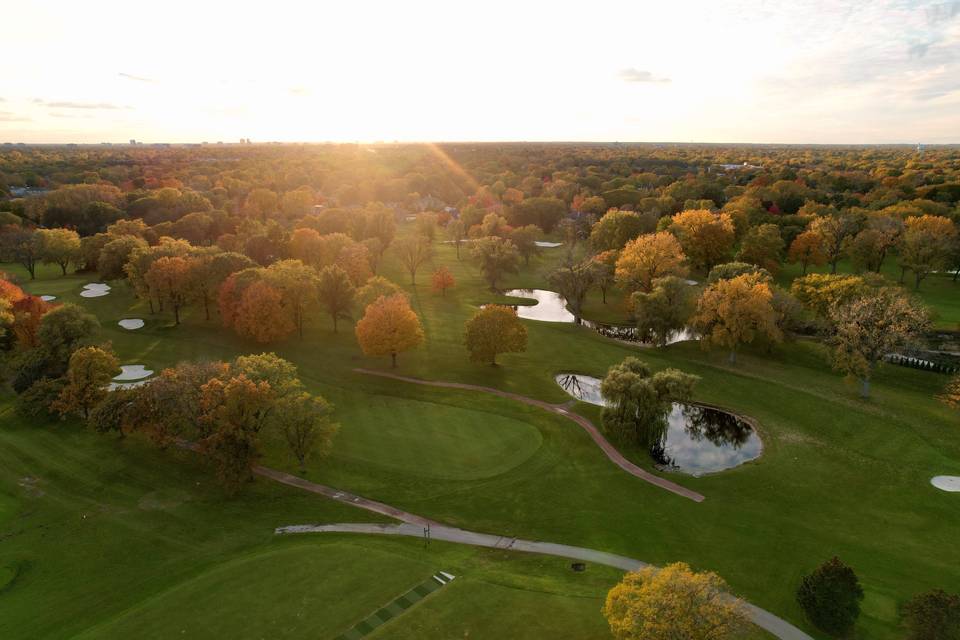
315 591
436 440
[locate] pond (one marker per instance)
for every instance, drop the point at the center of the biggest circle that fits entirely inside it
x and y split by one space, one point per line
552 307
696 440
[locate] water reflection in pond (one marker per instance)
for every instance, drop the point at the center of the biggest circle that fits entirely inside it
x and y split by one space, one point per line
552 307
695 439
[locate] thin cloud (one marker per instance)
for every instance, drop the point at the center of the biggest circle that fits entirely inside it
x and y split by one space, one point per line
79 105
301 92
130 76
638 75
9 116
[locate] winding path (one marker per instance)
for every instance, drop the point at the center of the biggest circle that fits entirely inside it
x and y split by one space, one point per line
611 452
760 617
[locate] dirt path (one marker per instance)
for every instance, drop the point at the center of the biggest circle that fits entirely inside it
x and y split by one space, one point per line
760 617
611 452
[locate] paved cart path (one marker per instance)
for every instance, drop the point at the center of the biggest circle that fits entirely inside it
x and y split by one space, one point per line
760 617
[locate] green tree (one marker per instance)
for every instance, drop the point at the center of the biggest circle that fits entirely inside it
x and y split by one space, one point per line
934 615
496 258
830 596
60 247
615 229
637 401
525 239
574 282
665 310
762 246
306 425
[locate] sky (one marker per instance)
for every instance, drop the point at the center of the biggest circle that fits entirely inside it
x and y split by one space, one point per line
811 71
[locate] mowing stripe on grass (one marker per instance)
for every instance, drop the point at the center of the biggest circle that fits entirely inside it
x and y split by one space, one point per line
397 606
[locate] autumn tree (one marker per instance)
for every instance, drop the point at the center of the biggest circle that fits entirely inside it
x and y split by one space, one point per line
28 312
306 424
637 401
834 231
493 330
88 374
261 203
115 255
442 280
821 293
807 249
260 314
830 596
336 293
236 409
647 258
389 327
762 246
734 312
951 394
664 311
706 237
926 246
60 247
496 257
869 327
674 603
376 287
297 284
209 273
171 278
64 329
24 246
306 246
413 253
574 282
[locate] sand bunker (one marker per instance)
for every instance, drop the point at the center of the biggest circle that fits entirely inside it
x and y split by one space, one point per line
133 372
946 483
128 372
131 323
547 245
95 290
48 298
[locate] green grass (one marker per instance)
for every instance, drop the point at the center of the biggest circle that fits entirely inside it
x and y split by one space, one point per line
839 475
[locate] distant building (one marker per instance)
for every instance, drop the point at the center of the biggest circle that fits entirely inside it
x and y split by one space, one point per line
133 142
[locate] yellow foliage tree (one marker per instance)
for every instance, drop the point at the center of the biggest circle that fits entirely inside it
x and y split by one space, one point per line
951 395
494 329
647 258
88 374
735 312
673 603
706 237
807 249
388 327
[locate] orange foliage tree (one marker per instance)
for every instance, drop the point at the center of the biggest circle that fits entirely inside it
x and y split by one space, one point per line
261 316
807 249
389 327
442 280
172 277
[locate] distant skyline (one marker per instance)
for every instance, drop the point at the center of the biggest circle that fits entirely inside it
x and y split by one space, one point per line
725 71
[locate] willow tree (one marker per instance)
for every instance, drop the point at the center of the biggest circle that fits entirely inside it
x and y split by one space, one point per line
637 401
